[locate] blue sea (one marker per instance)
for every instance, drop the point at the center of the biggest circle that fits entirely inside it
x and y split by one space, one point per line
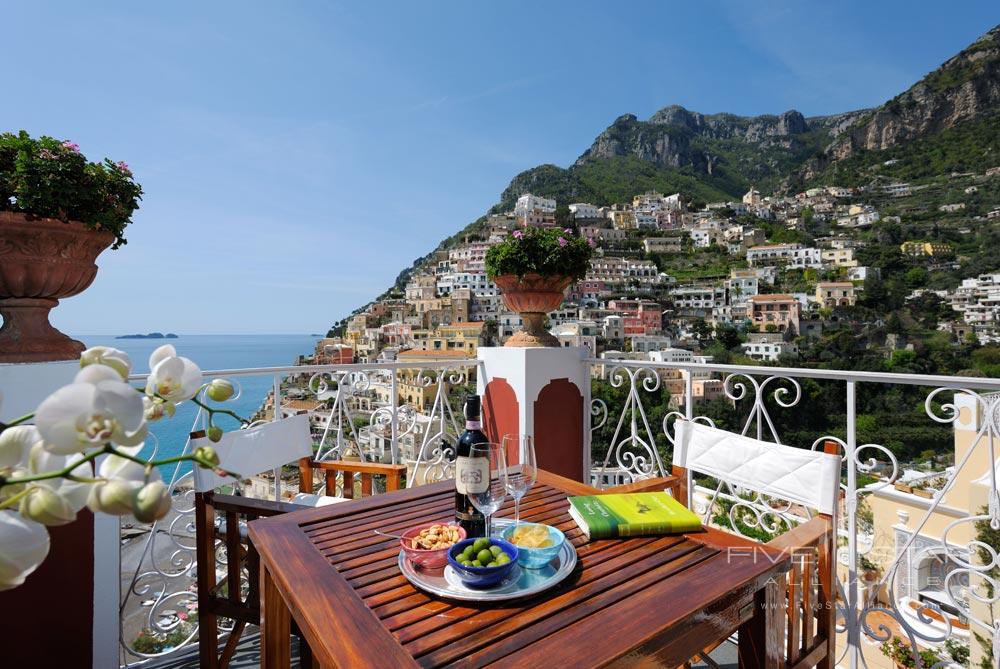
211 352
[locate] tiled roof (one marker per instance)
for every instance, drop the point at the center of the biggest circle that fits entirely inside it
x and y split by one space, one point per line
779 297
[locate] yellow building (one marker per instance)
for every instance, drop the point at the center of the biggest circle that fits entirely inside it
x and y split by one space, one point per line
910 526
623 220
461 337
934 249
835 293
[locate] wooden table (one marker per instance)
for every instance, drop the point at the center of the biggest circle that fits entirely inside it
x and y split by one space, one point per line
654 601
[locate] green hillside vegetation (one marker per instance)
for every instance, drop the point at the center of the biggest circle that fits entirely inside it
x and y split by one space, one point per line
766 168
606 181
973 146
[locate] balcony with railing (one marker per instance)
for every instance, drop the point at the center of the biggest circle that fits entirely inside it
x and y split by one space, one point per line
918 517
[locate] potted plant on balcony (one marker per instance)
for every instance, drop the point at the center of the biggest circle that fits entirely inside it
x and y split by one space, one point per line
532 268
58 212
869 569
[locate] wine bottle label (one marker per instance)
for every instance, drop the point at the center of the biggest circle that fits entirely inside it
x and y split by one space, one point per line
473 425
472 475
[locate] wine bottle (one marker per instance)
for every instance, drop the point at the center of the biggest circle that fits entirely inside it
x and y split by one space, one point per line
471 474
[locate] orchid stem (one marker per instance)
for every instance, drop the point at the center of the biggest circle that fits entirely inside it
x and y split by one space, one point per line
11 501
66 472
17 421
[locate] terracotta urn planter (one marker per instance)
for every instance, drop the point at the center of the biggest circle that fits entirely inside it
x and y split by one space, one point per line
42 260
532 296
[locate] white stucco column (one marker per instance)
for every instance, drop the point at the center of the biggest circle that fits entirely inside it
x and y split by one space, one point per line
542 392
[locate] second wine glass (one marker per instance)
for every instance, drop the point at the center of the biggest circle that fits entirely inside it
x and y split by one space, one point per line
521 477
488 498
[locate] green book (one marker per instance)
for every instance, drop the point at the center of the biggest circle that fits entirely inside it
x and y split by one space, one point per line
632 514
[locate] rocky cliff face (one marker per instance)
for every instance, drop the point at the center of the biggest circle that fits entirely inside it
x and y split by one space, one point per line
964 88
677 137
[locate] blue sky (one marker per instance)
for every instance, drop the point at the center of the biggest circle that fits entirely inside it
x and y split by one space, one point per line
296 156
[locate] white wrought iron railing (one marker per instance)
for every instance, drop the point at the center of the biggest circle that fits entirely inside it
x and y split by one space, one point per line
631 440
944 622
361 416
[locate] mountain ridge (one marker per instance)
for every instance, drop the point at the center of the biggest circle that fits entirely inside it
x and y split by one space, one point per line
715 157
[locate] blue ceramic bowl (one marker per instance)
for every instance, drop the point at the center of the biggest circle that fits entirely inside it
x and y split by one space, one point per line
482 577
536 558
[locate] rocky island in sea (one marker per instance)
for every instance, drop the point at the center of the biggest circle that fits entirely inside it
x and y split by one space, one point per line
151 335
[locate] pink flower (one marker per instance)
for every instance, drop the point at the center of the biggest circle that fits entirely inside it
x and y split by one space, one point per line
590 240
568 231
75 148
562 241
123 166
517 234
182 616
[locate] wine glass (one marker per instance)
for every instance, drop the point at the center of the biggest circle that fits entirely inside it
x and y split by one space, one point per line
519 482
489 496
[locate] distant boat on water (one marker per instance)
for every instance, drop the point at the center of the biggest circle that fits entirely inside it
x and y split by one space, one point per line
151 335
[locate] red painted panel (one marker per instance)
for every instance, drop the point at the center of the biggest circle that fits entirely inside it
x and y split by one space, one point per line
559 429
500 414
51 616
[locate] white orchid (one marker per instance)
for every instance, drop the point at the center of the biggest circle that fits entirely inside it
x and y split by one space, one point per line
25 545
109 357
154 408
46 468
172 377
119 479
92 411
15 444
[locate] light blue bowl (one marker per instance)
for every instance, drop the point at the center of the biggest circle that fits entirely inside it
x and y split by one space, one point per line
536 558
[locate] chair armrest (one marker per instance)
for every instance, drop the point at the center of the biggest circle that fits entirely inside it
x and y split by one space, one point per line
260 507
348 468
807 534
357 467
645 485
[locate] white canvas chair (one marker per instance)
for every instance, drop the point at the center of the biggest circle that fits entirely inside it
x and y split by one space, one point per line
266 447
802 479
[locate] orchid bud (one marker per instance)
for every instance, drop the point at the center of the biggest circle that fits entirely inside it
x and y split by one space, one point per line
152 502
44 505
207 454
114 497
220 390
110 357
215 434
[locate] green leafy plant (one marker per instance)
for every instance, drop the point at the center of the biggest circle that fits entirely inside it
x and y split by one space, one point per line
544 251
901 653
50 178
958 651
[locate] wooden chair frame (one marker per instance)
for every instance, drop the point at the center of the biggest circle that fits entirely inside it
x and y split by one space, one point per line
810 590
212 602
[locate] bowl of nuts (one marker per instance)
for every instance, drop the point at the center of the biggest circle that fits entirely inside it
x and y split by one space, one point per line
427 545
